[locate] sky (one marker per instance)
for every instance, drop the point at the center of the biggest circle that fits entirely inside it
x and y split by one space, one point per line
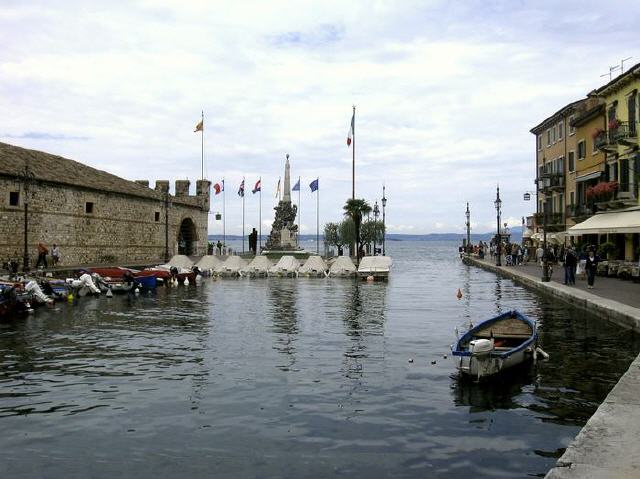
445 95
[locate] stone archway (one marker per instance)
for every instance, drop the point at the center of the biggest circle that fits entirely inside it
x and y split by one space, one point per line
187 237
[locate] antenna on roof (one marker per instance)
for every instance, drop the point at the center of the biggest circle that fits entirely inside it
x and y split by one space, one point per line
622 63
611 70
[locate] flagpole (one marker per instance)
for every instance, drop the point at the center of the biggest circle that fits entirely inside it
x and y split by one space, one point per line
353 162
202 150
224 215
243 215
299 212
318 217
260 218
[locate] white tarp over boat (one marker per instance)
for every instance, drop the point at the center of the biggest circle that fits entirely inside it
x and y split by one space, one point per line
231 266
342 266
314 264
286 264
375 265
627 221
180 261
208 262
259 265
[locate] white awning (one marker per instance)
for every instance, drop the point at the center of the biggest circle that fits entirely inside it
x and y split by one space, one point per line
627 221
589 176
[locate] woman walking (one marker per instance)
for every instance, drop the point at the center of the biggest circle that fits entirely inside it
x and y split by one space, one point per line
591 268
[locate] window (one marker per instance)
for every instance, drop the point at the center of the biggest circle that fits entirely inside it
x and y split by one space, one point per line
14 198
572 129
540 170
560 131
594 148
572 161
553 134
88 207
157 216
548 137
572 198
624 174
539 142
581 150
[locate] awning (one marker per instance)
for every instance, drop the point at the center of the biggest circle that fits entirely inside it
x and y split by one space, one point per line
527 233
537 236
626 221
590 176
557 238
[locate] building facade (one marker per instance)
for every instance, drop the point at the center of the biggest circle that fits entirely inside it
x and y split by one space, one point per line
94 217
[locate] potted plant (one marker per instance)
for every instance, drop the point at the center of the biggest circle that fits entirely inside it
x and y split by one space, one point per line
614 123
607 249
596 133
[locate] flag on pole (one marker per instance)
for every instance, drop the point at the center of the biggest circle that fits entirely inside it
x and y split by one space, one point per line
314 185
350 135
258 187
241 189
199 126
218 187
278 188
296 187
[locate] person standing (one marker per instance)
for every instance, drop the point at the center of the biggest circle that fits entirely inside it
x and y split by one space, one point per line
570 263
540 255
43 251
55 254
591 268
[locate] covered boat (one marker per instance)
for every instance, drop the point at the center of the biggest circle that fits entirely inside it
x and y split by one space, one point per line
208 264
286 266
495 345
231 267
314 266
14 302
259 266
342 267
376 266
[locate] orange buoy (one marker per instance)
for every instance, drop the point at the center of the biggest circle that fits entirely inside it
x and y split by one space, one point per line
459 294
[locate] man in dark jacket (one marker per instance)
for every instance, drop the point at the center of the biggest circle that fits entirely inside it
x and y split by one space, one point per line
570 263
592 268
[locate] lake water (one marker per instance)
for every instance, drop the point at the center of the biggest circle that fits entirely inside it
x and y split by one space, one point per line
297 378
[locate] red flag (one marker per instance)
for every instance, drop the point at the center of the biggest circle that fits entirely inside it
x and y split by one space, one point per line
349 136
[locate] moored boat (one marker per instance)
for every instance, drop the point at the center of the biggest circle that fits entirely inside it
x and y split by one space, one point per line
495 345
376 266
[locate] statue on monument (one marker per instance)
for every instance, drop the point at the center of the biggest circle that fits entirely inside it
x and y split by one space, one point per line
284 231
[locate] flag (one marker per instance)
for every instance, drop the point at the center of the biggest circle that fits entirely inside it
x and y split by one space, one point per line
241 189
296 187
350 134
199 126
278 188
258 187
218 187
314 185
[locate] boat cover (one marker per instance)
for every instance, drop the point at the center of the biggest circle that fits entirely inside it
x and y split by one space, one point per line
259 264
342 266
314 264
375 264
180 261
208 262
286 264
233 264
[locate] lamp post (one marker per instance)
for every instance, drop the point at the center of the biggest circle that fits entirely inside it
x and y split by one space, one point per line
498 204
376 213
468 215
384 227
545 180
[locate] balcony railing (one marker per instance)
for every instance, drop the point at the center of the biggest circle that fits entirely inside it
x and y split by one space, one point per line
624 132
575 211
552 218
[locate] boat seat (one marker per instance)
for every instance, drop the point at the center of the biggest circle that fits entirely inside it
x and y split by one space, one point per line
502 336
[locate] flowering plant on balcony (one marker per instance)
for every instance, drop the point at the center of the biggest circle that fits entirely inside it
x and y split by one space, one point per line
614 124
602 191
596 133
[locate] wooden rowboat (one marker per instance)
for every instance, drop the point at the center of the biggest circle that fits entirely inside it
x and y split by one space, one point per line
495 345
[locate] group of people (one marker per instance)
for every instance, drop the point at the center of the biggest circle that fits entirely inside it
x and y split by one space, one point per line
43 252
573 261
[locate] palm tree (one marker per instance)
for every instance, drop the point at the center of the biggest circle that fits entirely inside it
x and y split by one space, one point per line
356 208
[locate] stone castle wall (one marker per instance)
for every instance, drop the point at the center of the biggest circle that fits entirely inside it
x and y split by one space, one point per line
120 229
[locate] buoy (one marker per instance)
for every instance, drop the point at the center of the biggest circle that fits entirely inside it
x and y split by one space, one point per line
459 294
70 297
410 360
109 293
186 281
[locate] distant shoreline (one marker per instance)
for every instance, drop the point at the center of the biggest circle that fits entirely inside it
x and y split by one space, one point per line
516 236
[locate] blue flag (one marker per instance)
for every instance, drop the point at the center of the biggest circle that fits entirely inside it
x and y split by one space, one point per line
296 187
314 185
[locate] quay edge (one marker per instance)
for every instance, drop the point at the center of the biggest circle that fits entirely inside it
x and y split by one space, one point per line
606 447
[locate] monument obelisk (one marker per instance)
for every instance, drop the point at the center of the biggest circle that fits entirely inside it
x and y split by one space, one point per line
284 230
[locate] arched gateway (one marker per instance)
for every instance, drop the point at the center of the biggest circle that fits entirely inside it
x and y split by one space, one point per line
187 237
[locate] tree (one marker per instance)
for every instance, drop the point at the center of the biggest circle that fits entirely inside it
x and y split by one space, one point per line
372 232
347 231
332 236
356 208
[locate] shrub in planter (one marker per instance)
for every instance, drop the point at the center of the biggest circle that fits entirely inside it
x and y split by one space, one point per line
605 250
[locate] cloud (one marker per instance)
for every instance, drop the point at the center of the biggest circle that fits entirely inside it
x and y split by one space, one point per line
38 135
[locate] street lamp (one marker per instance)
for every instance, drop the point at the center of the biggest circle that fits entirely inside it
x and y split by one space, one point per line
498 204
376 213
545 180
384 234
468 215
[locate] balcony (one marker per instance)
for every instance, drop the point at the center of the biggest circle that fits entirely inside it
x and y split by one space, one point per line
579 212
625 133
605 141
555 221
556 181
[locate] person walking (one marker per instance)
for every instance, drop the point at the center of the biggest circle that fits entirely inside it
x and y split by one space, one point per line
570 263
43 251
591 268
540 255
55 254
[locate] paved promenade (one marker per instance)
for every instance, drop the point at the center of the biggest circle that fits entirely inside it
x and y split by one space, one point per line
607 446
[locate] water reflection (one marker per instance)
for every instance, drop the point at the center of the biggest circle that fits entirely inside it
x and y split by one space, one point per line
282 299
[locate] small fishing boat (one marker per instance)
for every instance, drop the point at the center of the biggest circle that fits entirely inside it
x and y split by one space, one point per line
14 301
376 266
495 345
